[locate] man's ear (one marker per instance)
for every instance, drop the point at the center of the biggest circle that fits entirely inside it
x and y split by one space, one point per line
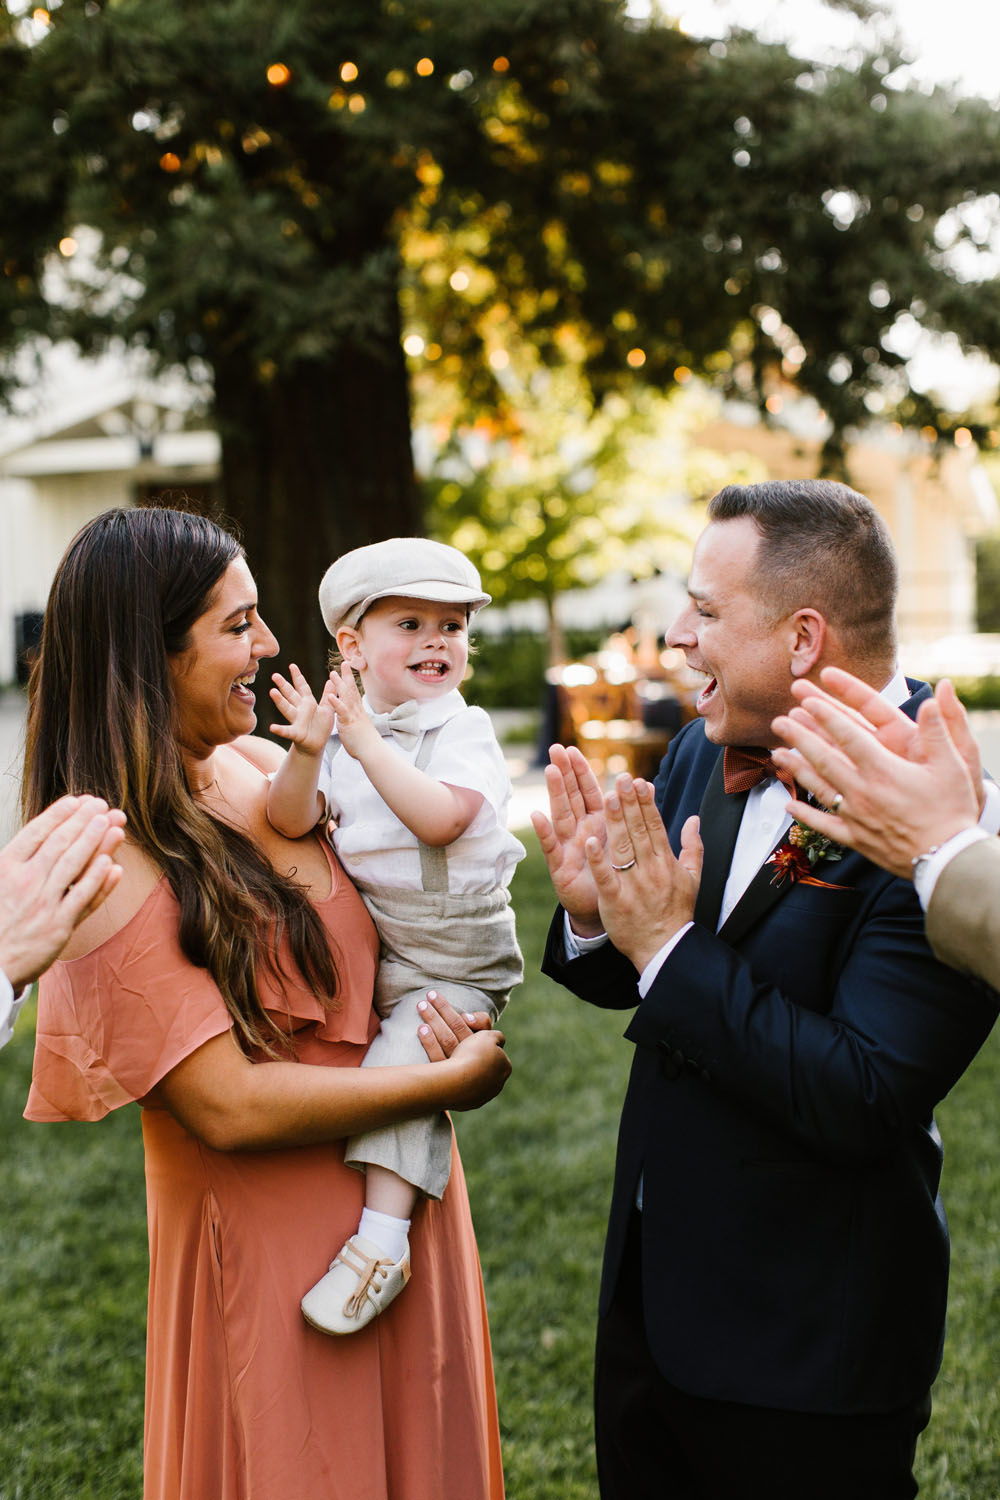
349 645
810 639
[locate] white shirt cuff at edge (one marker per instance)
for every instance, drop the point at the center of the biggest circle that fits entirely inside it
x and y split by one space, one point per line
10 1005
930 867
576 946
989 818
927 872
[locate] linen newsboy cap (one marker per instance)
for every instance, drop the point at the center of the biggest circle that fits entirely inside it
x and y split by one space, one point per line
412 567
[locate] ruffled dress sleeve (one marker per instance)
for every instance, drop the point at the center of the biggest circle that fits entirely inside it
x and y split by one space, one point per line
114 1022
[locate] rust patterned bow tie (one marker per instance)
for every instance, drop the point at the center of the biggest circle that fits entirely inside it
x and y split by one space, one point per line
744 766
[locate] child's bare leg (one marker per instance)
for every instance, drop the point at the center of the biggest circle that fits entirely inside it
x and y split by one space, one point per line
389 1203
388 1193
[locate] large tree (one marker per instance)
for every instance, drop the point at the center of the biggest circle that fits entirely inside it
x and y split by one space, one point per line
278 184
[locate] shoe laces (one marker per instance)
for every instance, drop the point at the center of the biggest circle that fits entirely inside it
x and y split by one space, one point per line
368 1271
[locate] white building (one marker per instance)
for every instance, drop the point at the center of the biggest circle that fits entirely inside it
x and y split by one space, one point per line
106 435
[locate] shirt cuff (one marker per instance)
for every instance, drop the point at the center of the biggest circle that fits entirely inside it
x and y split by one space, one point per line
575 945
657 961
10 1005
926 872
989 818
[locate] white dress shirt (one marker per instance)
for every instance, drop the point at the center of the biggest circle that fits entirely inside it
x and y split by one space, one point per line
10 1005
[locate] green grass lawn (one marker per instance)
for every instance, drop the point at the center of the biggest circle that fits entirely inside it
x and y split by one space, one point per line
539 1161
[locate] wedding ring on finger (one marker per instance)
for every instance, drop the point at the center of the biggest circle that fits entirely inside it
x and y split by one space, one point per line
835 804
627 866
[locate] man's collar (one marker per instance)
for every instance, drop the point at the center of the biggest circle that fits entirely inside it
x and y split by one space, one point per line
896 690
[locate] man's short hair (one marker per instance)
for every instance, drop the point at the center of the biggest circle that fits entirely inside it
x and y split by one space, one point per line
824 547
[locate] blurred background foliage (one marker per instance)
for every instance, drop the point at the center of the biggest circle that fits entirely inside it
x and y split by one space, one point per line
539 219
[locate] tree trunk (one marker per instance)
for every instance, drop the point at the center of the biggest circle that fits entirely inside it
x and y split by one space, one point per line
314 463
558 653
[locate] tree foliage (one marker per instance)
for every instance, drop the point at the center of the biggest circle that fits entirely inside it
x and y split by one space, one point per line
282 190
558 495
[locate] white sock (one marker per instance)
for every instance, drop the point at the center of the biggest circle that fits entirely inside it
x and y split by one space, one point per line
388 1233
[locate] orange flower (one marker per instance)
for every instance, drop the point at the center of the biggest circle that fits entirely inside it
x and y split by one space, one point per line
802 849
789 864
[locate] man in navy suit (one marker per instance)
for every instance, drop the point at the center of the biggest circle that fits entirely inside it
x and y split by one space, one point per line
773 1298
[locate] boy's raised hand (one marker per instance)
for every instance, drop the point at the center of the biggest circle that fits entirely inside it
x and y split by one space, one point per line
354 722
310 724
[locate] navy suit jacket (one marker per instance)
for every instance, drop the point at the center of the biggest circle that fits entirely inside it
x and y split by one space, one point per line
780 1113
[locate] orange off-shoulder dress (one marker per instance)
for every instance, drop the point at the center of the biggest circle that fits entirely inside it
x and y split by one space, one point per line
244 1401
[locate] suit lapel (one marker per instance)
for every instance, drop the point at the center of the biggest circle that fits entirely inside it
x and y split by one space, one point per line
720 823
919 691
721 815
759 896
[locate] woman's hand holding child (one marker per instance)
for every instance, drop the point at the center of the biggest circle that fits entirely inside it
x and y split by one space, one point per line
468 1040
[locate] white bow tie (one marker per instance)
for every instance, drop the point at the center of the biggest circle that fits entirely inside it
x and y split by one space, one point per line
402 723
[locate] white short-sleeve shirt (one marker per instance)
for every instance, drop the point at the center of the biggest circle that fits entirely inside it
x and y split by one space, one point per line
378 851
10 1004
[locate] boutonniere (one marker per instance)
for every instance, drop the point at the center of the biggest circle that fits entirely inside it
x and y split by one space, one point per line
798 854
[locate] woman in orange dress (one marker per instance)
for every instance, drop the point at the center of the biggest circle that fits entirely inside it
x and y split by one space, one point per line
226 986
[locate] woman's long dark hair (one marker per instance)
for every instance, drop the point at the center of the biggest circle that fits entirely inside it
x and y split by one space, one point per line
102 719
